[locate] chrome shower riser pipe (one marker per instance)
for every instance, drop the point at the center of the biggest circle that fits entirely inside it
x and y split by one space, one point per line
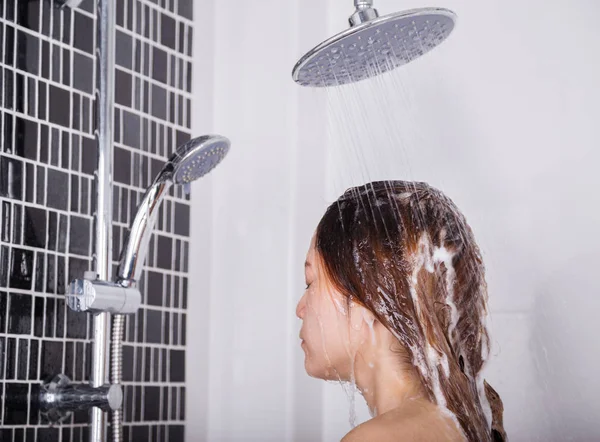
103 214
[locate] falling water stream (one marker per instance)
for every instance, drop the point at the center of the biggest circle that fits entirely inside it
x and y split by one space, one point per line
372 130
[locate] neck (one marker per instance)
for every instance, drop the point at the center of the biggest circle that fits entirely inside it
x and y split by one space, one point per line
383 381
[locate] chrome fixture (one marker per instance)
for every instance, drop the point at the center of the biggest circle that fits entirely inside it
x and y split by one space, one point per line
373 45
364 12
104 98
190 161
94 295
59 397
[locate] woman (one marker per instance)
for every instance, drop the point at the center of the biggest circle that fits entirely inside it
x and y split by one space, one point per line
396 302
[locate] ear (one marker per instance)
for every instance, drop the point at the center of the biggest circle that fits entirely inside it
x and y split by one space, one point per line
361 317
368 316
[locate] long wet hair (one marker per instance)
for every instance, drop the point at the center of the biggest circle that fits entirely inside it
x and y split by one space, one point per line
404 251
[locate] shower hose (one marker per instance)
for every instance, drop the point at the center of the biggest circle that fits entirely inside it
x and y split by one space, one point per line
116 372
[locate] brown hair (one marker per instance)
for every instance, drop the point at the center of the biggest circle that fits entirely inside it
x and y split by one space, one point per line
404 251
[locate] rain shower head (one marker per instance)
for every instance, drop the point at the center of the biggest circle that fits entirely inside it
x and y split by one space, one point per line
373 45
197 157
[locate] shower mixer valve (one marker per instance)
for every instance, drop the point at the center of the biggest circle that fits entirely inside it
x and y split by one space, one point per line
93 295
59 397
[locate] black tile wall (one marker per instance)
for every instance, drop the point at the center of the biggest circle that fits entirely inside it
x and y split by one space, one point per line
48 158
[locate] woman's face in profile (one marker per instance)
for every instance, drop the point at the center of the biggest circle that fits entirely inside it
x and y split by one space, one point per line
329 337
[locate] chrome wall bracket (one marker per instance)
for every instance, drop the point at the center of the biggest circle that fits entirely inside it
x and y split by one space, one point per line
93 295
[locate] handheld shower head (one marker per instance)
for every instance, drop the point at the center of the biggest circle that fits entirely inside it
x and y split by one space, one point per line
190 161
198 157
373 45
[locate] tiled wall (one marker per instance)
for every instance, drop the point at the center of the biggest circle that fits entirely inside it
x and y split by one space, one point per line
47 164
152 116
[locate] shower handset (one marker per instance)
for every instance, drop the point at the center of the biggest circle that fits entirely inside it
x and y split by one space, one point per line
190 161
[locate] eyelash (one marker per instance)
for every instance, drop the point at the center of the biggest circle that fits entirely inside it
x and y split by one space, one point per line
307 286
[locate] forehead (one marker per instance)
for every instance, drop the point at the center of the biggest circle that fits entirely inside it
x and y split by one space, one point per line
311 247
311 260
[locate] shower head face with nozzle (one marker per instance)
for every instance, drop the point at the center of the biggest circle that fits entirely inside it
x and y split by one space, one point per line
374 47
198 157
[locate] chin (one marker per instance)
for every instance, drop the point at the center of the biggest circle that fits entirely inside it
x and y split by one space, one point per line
313 370
319 371
310 370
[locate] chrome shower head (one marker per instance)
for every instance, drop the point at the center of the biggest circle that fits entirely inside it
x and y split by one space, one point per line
190 161
373 45
197 157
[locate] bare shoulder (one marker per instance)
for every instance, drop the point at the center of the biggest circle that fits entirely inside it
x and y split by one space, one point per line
372 430
419 426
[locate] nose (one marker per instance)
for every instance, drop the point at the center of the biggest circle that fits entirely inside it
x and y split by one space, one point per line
301 307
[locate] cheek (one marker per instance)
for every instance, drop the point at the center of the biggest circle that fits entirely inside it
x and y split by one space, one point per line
313 323
326 326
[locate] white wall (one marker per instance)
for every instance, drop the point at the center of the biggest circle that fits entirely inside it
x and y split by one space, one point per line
503 117
252 220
